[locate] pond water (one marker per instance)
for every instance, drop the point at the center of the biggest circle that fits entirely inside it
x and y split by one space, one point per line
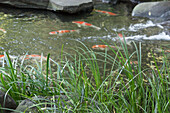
28 30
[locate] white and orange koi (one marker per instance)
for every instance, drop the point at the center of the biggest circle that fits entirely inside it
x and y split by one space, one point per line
2 57
59 32
120 35
33 56
3 30
85 24
10 56
133 62
104 47
159 50
106 12
121 38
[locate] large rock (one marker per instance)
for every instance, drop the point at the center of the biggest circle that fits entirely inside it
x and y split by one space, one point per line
31 106
156 10
69 6
6 101
127 1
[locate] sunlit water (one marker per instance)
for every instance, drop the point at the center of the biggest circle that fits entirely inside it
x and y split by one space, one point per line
28 30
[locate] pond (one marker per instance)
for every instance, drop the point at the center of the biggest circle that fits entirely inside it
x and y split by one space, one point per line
28 30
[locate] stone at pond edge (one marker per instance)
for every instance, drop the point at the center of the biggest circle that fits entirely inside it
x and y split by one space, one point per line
24 107
69 6
28 105
9 102
156 10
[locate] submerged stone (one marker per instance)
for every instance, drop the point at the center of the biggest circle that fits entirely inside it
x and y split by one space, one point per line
156 10
7 102
69 6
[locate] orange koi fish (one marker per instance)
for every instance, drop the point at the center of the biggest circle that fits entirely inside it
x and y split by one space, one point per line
62 32
103 47
81 23
33 56
122 39
120 35
3 30
106 12
10 56
167 51
161 50
133 62
2 56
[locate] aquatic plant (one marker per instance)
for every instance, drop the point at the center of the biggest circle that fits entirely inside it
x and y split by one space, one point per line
93 81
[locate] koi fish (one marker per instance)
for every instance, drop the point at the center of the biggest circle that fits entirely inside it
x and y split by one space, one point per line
10 56
106 12
133 62
2 57
62 32
3 30
158 50
81 23
120 35
167 51
33 56
103 47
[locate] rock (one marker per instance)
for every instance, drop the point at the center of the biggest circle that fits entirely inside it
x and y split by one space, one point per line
68 6
154 10
116 1
31 105
9 102
26 106
41 4
107 1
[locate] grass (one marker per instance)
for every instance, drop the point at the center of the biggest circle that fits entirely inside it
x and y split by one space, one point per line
87 85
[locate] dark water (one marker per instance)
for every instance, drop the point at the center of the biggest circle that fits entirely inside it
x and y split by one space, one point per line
28 30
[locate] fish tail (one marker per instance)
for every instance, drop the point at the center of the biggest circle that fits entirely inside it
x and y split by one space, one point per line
78 25
98 28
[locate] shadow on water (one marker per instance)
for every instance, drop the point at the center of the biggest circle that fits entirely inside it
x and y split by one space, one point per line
26 13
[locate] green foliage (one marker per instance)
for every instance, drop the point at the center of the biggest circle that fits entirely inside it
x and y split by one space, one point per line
125 87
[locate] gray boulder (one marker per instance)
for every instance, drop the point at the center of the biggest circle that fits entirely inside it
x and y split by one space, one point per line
116 1
155 10
69 6
58 102
9 102
107 1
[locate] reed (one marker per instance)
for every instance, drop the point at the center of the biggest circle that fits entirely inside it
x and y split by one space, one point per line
85 80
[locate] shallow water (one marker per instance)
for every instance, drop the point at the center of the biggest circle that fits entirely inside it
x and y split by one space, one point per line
28 30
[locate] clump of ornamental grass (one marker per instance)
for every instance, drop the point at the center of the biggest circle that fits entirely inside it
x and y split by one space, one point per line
93 82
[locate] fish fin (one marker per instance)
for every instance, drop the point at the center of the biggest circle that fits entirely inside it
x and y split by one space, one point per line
78 25
98 28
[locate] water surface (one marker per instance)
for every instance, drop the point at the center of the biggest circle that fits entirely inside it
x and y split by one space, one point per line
28 30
